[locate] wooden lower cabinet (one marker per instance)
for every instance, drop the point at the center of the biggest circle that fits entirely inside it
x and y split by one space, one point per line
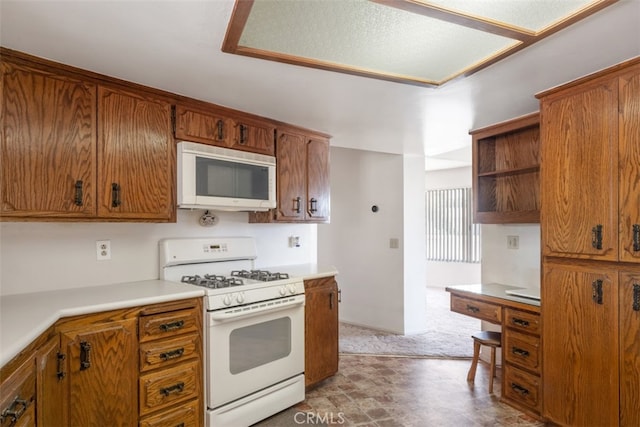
101 373
97 370
591 352
321 329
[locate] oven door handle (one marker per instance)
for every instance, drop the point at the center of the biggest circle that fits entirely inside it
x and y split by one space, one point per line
256 309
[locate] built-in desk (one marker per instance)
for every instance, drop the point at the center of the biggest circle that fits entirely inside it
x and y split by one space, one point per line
521 340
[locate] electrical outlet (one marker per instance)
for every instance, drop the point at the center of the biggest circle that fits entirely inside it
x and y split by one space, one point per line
103 250
513 242
394 243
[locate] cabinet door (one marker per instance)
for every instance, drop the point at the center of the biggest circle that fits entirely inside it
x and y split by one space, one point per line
51 385
321 329
291 180
255 136
207 127
48 144
102 374
579 178
318 195
629 349
580 344
136 153
630 166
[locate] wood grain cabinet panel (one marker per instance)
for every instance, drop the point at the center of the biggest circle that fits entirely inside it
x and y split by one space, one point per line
253 135
478 309
102 373
168 324
51 384
629 348
48 145
321 329
166 387
522 388
18 396
137 156
157 354
186 415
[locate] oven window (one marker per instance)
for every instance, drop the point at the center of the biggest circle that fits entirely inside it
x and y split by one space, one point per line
259 344
218 178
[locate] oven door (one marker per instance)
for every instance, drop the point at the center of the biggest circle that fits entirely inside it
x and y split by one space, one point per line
253 347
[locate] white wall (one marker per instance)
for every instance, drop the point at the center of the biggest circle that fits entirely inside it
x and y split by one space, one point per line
371 274
37 256
450 273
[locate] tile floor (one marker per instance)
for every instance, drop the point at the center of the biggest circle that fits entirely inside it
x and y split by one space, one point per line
400 391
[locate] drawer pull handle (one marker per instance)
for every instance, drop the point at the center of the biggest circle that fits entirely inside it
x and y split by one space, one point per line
636 297
472 308
596 237
520 322
172 326
636 237
220 129
176 388
519 389
173 354
519 352
60 371
596 294
15 411
78 198
115 195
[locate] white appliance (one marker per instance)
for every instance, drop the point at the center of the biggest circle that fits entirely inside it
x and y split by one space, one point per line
254 328
222 179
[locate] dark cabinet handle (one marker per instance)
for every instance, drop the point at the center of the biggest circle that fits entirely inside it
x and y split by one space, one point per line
339 295
78 199
596 237
596 291
331 301
176 388
14 411
519 352
173 354
472 308
172 326
220 130
519 389
85 355
520 322
297 202
313 205
115 195
243 134
60 372
636 297
636 237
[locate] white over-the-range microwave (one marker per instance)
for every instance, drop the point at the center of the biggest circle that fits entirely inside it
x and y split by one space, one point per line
223 179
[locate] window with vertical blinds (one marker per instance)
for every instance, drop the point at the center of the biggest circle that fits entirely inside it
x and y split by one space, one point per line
451 234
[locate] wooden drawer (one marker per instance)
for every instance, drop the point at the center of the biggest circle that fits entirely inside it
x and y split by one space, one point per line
186 415
163 388
522 320
164 325
522 387
481 310
168 352
522 350
19 396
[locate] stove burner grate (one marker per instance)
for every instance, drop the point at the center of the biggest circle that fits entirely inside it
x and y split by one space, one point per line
212 281
261 275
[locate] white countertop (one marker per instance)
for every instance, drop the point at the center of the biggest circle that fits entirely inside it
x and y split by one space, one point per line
23 317
306 271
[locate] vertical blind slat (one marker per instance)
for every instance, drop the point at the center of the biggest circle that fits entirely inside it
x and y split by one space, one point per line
451 234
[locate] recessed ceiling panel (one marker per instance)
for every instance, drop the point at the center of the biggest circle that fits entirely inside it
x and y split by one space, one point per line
368 36
421 42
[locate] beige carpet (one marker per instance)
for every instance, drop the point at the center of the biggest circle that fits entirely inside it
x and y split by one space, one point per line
448 334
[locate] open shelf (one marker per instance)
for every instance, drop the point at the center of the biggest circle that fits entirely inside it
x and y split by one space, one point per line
506 171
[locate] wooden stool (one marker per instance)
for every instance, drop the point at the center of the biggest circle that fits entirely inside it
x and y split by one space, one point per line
490 339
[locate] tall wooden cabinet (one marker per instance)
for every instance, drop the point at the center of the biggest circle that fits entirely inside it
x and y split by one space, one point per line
321 329
590 177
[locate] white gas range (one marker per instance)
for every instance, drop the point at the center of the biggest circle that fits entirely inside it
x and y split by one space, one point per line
254 327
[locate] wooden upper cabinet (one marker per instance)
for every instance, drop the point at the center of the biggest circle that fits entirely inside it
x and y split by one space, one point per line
506 172
137 156
48 147
216 126
254 135
591 167
291 161
318 186
629 166
580 171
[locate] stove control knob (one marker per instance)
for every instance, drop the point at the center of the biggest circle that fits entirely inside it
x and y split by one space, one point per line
240 298
283 290
291 289
226 300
